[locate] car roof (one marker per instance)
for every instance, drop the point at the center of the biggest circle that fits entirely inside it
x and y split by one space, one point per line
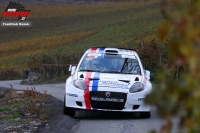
114 51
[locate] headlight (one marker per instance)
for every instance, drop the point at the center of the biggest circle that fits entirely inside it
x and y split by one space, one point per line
80 84
137 87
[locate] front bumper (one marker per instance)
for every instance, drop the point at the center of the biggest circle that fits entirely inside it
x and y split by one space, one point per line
134 102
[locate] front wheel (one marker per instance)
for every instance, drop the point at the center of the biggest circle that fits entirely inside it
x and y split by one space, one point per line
145 114
69 111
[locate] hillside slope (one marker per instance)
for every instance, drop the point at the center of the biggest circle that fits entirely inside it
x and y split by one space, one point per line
71 29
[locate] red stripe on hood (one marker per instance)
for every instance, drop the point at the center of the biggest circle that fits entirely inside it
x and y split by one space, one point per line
86 92
93 50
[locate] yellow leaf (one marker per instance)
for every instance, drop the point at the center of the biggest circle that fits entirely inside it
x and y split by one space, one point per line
163 31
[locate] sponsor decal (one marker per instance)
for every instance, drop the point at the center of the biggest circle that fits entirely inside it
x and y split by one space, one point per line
115 84
72 95
124 51
106 99
109 77
94 54
129 56
140 99
16 10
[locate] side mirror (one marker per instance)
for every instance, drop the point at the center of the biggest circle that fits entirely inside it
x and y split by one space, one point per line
147 74
73 69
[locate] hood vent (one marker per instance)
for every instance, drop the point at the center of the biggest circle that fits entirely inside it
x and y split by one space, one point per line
93 78
111 52
81 76
126 81
136 79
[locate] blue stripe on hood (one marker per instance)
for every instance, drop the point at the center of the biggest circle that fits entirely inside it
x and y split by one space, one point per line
101 50
95 82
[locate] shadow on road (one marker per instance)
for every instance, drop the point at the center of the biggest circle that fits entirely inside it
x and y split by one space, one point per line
99 115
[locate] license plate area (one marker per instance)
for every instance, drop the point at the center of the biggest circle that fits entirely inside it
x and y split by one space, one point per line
105 99
113 101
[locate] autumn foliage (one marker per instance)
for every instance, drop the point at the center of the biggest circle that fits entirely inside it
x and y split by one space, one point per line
9 74
180 98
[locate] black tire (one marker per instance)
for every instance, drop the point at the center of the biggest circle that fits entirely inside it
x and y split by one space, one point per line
145 114
69 111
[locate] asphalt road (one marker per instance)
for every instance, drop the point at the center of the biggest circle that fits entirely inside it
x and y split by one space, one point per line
93 122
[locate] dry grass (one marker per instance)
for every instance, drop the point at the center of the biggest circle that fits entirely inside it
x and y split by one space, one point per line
22 48
23 102
44 11
73 28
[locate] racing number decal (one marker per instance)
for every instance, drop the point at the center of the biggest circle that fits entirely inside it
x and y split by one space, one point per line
86 92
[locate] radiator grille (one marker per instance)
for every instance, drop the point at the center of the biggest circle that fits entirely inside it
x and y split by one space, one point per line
108 104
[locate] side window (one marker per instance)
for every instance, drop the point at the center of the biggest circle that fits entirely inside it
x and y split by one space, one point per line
131 66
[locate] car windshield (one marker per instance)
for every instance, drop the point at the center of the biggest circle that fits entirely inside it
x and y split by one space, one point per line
110 64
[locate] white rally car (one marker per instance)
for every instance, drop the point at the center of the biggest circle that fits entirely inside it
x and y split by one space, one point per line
108 79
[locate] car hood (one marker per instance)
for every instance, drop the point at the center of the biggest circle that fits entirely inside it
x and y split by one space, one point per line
109 79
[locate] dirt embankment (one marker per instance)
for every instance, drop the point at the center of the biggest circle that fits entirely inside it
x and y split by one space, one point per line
21 116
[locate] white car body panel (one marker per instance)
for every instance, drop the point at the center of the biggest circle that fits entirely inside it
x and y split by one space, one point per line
107 82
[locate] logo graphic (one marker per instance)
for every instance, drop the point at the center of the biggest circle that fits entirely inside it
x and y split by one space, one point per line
107 94
16 10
